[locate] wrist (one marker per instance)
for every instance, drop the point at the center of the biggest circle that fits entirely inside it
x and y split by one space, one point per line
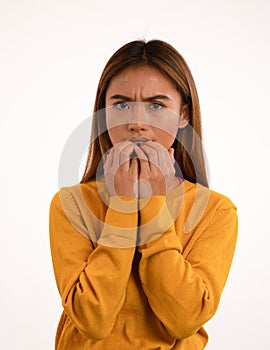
155 218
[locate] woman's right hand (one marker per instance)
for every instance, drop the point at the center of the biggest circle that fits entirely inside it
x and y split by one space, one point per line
121 172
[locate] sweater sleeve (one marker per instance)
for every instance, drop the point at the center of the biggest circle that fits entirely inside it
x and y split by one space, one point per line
184 292
92 282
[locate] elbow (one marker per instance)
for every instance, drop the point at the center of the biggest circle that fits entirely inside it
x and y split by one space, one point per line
181 331
93 322
93 318
94 326
98 332
187 324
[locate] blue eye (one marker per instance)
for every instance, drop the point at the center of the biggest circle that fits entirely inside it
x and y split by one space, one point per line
156 106
122 105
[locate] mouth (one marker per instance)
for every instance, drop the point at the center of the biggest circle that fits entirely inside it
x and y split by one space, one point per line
138 140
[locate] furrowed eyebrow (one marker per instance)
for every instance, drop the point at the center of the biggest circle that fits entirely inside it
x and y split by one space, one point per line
120 97
148 99
157 97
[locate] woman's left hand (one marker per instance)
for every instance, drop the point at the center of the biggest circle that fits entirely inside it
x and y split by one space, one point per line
157 174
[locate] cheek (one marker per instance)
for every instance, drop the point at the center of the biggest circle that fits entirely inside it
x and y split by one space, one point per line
116 134
164 138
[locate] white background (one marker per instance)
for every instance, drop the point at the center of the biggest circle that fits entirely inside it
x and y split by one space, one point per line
52 54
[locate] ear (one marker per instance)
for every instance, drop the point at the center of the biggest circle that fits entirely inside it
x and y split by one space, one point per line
184 117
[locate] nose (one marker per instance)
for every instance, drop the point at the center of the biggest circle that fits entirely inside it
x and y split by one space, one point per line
137 126
137 120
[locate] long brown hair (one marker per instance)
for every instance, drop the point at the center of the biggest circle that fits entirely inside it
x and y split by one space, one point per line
188 150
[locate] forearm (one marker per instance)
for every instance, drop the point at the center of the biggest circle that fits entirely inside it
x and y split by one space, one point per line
92 283
96 297
184 292
177 294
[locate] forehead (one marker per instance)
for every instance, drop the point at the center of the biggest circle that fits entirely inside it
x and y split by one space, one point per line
144 78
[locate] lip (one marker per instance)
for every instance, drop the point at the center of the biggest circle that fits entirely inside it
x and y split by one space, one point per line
138 139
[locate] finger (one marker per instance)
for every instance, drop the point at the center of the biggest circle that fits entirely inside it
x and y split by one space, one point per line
121 153
171 153
134 170
164 159
144 168
152 154
140 153
124 151
162 153
124 158
166 163
109 158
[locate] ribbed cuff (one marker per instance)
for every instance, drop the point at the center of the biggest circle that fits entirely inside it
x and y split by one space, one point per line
155 218
168 241
121 223
124 204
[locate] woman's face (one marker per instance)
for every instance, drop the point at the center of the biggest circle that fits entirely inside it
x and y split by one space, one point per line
142 104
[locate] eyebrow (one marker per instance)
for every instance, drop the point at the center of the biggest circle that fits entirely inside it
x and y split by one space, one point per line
148 99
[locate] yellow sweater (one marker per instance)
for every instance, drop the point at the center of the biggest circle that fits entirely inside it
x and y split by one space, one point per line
149 288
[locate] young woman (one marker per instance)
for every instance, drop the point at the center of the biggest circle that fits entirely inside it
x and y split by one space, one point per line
142 248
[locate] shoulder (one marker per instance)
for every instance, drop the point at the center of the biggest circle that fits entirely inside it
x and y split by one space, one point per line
73 191
74 196
64 194
213 198
205 206
87 200
222 200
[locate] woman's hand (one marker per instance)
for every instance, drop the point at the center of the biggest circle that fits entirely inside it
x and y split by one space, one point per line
157 173
149 173
120 171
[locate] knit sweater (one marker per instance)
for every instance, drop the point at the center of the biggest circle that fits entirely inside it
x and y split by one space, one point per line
139 274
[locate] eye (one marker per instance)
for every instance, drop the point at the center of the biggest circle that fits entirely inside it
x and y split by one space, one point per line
156 106
122 105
